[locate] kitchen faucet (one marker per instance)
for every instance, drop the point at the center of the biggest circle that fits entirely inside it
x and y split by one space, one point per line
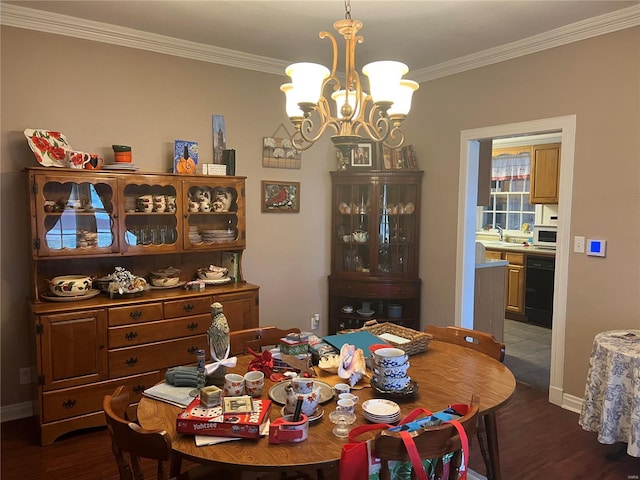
500 232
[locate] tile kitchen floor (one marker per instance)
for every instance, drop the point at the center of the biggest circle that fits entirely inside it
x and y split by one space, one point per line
528 353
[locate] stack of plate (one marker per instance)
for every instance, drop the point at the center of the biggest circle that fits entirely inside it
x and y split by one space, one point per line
218 236
194 235
120 166
381 411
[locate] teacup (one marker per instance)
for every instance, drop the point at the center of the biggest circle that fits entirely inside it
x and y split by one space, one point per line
302 385
145 207
78 159
348 396
159 206
345 405
342 388
146 198
309 402
159 198
233 385
254 383
94 163
194 207
205 206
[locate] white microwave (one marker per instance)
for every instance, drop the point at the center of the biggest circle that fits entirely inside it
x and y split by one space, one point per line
545 236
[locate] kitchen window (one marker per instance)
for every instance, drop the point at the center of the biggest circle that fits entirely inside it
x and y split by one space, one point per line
510 182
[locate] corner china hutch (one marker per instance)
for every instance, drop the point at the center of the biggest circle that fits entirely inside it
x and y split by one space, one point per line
88 222
375 230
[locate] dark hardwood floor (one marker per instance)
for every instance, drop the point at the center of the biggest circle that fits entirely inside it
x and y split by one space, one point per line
537 441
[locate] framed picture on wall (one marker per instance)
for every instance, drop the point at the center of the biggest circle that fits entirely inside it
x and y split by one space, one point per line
280 197
363 156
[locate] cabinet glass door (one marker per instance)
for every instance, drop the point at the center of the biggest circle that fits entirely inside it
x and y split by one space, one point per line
353 229
74 217
396 228
211 209
150 216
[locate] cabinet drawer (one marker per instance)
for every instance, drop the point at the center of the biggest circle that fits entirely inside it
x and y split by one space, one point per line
72 402
514 258
137 334
135 314
374 290
493 254
191 306
153 356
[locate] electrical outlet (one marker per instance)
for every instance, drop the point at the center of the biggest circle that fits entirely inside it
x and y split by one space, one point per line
315 321
25 376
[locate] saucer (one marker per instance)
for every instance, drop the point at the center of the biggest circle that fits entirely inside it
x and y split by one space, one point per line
55 298
410 390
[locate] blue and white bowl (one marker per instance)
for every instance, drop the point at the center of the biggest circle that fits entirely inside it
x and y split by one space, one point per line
392 384
392 372
389 357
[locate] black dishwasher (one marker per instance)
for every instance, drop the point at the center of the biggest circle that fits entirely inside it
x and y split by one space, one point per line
539 292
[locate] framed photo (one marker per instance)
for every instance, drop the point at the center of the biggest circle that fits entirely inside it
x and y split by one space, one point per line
362 155
280 197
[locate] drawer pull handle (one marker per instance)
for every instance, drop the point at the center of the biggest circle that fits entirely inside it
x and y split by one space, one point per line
69 404
135 314
131 336
139 389
192 326
131 361
188 307
192 350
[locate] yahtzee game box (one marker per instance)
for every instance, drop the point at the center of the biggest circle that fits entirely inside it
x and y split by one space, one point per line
201 420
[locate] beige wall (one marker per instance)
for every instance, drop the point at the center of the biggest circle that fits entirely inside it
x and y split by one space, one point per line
101 94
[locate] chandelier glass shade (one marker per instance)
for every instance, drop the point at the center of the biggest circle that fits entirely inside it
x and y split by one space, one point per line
353 114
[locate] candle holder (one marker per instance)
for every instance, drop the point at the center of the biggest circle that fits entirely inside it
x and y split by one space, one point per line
343 422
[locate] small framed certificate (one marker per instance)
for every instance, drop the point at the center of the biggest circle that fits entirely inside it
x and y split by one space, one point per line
242 404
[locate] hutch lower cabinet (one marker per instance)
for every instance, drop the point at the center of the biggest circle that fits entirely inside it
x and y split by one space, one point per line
88 223
375 248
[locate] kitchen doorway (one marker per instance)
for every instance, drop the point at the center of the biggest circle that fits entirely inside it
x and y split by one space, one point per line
468 187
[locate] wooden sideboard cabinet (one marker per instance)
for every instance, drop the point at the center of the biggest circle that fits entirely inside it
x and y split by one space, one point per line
89 222
375 247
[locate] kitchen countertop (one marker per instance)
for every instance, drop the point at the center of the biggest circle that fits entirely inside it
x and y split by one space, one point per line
516 247
492 262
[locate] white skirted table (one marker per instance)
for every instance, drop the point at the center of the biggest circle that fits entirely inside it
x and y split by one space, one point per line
611 405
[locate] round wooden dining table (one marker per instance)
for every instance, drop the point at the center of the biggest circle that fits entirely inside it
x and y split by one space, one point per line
445 374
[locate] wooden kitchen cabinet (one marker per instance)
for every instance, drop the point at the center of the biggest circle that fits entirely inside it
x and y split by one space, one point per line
89 222
375 247
515 288
545 173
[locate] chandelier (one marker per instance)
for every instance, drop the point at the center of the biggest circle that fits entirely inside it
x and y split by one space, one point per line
357 115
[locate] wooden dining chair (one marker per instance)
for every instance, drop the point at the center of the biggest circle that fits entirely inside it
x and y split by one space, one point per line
431 442
256 338
131 443
487 344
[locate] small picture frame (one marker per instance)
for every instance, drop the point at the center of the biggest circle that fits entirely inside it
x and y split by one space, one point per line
280 197
362 156
242 404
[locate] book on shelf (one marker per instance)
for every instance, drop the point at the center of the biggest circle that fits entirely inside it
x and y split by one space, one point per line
230 261
213 421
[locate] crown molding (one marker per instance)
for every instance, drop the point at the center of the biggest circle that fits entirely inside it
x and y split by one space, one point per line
591 27
31 19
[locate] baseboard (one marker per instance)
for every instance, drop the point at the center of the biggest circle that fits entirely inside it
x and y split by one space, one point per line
16 411
572 403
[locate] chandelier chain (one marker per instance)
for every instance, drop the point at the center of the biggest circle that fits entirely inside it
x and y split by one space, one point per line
347 9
